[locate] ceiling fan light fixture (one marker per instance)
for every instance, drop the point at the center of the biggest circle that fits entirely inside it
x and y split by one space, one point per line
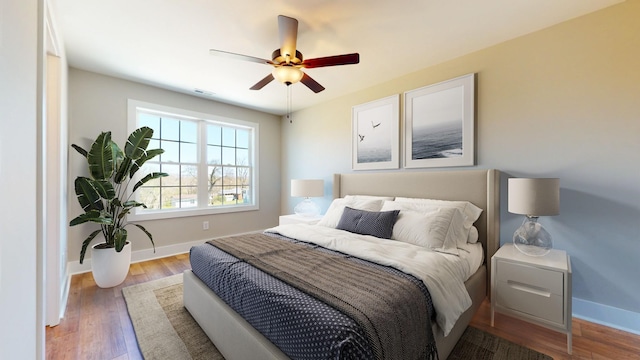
287 74
287 60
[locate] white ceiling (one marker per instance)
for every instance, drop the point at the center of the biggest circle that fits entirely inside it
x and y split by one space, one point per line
166 43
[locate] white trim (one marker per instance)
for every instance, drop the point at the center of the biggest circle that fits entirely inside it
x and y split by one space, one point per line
53 190
606 315
41 183
65 295
177 213
147 254
52 46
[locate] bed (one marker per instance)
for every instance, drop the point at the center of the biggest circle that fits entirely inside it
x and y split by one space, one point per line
237 339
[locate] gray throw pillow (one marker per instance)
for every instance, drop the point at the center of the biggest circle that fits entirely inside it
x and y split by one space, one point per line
378 224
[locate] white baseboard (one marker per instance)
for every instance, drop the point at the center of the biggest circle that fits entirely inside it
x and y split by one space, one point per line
74 267
138 256
610 316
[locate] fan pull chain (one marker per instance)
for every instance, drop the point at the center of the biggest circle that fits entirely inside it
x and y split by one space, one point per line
289 104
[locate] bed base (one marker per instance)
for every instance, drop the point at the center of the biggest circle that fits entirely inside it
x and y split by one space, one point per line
476 285
236 339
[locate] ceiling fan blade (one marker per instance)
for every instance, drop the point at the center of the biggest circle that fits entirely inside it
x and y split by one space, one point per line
311 84
235 56
260 84
346 59
288 28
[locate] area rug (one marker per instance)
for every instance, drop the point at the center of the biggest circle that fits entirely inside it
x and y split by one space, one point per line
165 329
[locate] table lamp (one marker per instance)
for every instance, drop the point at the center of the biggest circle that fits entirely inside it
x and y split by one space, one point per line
307 188
533 198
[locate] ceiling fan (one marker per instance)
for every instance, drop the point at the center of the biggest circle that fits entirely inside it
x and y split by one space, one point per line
288 61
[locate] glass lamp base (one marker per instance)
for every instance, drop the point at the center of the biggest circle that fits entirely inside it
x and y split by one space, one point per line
307 208
532 239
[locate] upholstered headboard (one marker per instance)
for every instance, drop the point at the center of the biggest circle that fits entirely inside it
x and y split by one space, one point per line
481 187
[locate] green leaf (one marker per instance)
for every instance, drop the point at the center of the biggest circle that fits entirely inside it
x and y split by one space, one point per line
123 169
128 206
137 143
88 197
105 189
82 151
100 157
148 234
118 156
153 153
133 203
95 216
120 239
149 177
123 213
138 163
86 242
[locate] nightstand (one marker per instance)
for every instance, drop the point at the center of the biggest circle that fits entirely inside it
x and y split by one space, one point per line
533 288
297 219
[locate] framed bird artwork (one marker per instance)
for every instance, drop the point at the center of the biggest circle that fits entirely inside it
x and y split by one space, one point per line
376 134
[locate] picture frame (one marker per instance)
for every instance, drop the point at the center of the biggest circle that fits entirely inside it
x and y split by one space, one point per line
375 131
439 124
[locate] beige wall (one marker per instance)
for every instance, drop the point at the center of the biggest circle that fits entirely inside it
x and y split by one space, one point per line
99 103
562 102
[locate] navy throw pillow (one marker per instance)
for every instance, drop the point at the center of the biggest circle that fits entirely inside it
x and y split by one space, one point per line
378 224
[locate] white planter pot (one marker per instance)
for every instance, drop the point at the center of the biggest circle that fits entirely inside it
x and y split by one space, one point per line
109 267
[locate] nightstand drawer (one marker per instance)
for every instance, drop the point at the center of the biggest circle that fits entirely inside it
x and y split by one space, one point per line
543 279
530 300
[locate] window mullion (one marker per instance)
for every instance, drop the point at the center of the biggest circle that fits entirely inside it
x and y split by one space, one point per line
203 171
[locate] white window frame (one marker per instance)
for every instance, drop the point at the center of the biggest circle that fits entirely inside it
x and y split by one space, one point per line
141 214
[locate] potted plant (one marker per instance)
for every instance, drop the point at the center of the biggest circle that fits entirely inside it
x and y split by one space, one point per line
106 200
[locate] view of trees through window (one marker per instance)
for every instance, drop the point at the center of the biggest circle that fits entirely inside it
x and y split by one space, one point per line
228 165
209 163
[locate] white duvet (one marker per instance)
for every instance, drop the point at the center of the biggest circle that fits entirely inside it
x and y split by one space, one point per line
443 274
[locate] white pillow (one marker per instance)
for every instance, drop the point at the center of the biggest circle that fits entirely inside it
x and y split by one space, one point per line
473 235
469 211
438 229
334 213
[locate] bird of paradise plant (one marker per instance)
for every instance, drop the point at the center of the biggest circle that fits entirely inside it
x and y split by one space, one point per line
105 196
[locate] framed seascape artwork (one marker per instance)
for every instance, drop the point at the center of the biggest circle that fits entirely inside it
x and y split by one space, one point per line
376 135
439 124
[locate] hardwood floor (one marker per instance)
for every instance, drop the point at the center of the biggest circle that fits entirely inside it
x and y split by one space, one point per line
590 341
96 324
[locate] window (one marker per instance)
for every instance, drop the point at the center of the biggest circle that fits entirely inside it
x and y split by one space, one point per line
211 162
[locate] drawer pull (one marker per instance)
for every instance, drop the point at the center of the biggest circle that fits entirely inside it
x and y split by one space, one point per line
528 288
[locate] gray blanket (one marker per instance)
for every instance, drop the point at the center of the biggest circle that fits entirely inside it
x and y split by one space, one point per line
391 309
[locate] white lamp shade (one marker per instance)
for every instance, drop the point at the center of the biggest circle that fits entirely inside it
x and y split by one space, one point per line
287 74
307 188
534 197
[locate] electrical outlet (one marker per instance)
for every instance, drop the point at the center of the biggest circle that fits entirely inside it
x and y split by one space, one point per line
205 225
